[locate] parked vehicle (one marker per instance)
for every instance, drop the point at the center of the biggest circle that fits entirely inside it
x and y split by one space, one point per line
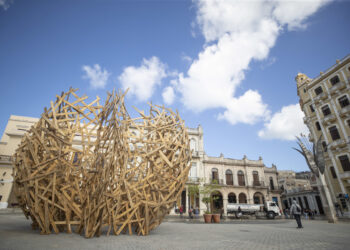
269 208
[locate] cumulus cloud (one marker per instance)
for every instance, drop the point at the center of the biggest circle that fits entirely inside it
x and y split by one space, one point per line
5 4
248 108
236 33
168 95
142 80
98 78
285 124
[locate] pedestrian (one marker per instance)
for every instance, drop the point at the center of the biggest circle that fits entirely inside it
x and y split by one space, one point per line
239 212
190 213
181 210
306 212
296 211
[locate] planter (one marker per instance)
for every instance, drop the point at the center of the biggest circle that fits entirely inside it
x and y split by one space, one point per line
207 218
216 218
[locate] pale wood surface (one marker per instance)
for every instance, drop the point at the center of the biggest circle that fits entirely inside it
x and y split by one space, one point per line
87 166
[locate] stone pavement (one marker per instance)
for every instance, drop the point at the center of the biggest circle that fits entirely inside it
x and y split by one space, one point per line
16 233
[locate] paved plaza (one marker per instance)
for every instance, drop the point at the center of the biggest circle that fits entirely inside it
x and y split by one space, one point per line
16 233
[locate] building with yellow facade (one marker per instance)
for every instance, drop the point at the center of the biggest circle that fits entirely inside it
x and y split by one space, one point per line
325 101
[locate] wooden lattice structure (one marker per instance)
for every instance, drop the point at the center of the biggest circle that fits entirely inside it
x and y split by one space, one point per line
92 166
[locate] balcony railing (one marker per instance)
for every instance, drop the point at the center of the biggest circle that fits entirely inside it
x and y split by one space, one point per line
322 96
344 111
216 181
5 158
328 119
339 86
193 179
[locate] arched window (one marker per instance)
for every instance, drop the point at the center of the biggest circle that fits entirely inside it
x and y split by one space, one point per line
193 145
241 181
242 198
272 187
215 174
229 177
232 198
258 198
256 178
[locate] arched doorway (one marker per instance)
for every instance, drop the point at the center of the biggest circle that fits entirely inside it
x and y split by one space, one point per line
217 201
258 198
232 198
242 198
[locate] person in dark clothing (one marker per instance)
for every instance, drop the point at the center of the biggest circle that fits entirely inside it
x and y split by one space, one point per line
296 211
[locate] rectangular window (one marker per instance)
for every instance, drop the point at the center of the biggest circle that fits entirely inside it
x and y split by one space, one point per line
334 80
344 161
343 101
312 108
318 126
325 110
334 175
334 133
318 90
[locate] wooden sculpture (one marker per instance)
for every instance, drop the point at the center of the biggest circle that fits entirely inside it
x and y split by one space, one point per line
91 167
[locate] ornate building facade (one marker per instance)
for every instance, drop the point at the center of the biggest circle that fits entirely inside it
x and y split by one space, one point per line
239 180
325 101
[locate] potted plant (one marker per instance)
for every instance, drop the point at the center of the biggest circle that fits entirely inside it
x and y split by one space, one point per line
206 191
216 216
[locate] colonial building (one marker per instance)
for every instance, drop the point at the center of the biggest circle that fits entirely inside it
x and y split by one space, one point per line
325 103
301 187
239 181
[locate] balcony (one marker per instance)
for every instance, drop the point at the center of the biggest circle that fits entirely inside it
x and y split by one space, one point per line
328 119
216 181
320 97
345 176
193 180
344 111
340 143
258 183
5 159
337 88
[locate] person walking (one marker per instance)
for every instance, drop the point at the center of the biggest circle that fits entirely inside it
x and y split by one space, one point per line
181 210
295 210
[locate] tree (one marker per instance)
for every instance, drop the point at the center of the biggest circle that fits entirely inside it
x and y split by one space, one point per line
207 190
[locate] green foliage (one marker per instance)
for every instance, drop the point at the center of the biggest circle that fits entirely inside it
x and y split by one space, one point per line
206 191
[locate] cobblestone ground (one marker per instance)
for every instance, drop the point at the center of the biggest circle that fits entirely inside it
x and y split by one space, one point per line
16 233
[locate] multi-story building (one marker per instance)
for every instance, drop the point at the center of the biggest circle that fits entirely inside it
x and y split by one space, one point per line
239 181
325 103
301 187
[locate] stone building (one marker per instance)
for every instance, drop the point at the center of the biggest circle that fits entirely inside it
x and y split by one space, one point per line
301 187
325 103
14 131
240 181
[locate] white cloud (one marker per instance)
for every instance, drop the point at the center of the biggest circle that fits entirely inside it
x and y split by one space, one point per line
236 33
248 108
5 4
98 78
142 80
285 124
294 13
168 95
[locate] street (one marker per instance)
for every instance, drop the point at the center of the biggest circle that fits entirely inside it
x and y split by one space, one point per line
16 233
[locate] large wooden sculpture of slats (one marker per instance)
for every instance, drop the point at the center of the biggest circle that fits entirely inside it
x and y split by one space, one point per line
94 167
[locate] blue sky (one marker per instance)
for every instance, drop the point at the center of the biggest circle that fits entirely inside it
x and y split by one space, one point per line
227 65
